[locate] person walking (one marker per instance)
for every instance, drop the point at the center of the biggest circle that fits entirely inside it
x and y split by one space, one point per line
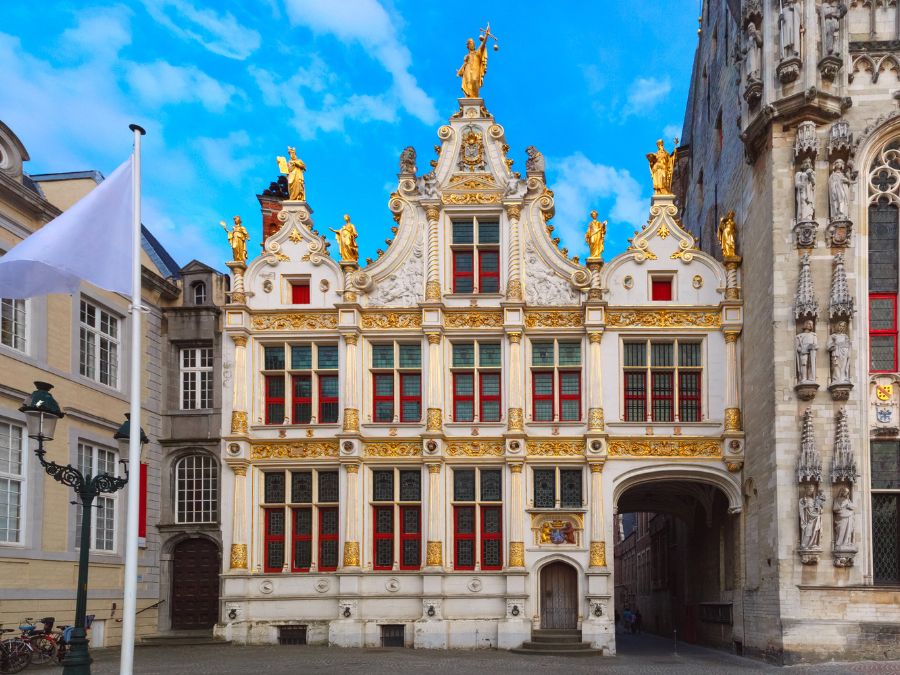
638 620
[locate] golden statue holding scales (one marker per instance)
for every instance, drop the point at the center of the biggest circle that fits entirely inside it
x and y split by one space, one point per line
475 63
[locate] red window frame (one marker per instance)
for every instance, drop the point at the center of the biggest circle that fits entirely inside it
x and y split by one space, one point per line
535 397
457 274
489 398
668 399
642 397
464 536
380 536
457 397
491 536
376 399
569 397
404 398
408 536
295 536
274 400
692 396
142 508
270 538
300 293
883 333
324 537
482 274
324 400
295 400
661 289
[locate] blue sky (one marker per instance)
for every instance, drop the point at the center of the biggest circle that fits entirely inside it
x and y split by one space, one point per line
222 88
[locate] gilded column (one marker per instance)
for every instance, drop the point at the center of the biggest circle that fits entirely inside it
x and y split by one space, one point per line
514 282
733 417
595 411
516 513
434 555
351 529
351 387
433 421
433 280
598 545
239 386
238 524
516 412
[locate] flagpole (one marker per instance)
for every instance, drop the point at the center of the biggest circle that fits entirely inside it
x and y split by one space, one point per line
126 663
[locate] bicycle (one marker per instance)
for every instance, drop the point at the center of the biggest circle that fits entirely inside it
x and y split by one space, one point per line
15 653
44 641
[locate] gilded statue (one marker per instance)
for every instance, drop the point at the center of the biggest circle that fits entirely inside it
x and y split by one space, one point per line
475 64
662 166
237 239
595 233
346 240
294 168
726 235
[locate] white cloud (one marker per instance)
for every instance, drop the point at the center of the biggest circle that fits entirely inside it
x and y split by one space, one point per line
671 131
644 94
98 34
579 184
160 83
220 33
225 157
366 22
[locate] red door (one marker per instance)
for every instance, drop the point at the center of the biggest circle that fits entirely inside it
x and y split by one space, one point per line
195 584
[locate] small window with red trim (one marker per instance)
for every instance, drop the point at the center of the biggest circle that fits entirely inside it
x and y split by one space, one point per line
674 371
477 519
883 333
556 380
475 256
300 292
397 510
396 382
310 378
661 288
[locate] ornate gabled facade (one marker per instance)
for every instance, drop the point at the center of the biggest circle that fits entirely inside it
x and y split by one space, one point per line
433 445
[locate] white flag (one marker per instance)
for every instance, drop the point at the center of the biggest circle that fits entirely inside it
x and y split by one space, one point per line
92 241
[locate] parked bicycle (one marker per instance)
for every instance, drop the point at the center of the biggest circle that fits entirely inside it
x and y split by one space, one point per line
15 652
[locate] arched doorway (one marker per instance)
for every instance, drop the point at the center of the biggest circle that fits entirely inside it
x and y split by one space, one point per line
559 596
195 584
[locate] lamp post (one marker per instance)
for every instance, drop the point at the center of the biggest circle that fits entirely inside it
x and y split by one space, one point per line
42 412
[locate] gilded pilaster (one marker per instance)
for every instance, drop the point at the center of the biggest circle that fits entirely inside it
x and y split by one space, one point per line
515 416
516 512
433 552
595 412
238 525
351 385
351 528
514 282
433 420
239 387
598 545
433 281
733 418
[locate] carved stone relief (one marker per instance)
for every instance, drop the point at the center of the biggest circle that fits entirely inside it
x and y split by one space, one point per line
542 285
405 286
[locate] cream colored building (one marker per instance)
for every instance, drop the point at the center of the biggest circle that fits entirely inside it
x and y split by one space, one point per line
429 449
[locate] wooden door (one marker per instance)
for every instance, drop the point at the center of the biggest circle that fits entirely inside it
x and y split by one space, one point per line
195 584
559 596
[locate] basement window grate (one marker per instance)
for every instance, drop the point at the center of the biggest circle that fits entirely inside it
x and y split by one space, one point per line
292 635
392 635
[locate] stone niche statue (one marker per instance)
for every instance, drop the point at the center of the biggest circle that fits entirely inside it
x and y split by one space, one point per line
789 22
832 13
839 192
408 160
806 343
843 511
535 162
752 53
839 349
811 508
805 189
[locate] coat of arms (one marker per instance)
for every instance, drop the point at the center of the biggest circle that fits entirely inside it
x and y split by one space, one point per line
884 392
557 532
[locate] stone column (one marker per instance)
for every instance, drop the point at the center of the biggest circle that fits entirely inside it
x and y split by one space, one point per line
434 420
596 420
351 529
239 388
516 513
351 386
598 543
434 555
238 294
514 282
238 516
733 417
433 279
516 412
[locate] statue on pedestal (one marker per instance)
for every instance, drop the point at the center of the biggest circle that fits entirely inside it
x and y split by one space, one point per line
843 509
237 239
726 235
294 169
752 53
805 189
839 192
595 233
811 517
662 166
789 22
839 348
346 240
832 13
475 64
806 344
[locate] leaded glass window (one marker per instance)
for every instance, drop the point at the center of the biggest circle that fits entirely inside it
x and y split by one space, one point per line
570 488
544 488
410 486
476 381
301 487
674 392
328 486
491 485
399 522
196 489
274 488
885 462
464 485
397 388
383 482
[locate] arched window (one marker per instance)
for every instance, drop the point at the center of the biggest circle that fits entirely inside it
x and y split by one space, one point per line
196 489
199 289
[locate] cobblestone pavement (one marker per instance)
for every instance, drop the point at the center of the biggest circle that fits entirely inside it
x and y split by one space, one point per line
637 654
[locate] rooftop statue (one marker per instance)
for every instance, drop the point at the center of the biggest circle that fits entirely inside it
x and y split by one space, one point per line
294 169
595 233
662 166
726 235
475 63
237 239
346 240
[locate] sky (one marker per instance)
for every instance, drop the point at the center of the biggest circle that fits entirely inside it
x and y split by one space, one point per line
223 88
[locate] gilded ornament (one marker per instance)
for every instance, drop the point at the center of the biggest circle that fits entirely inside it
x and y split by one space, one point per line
731 336
432 291
488 319
664 448
514 211
596 420
434 420
432 213
351 554
662 167
475 448
470 198
239 556
351 338
351 419
239 340
726 235
434 555
734 467
475 63
393 449
237 239
239 298
294 450
515 468
346 240
664 318
515 419
238 422
595 337
294 321
554 319
434 468
596 467
433 338
733 419
514 289
598 554
294 168
596 232
352 468
555 448
517 554
663 231
386 320
515 337
294 236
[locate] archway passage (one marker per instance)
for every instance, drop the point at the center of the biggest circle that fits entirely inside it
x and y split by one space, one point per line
195 584
559 596
677 555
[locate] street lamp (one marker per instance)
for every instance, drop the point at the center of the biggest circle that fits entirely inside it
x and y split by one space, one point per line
42 412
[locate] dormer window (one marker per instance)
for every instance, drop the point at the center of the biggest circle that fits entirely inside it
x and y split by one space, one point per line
476 256
199 289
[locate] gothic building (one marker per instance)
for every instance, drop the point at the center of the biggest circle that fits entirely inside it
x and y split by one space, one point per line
792 123
429 449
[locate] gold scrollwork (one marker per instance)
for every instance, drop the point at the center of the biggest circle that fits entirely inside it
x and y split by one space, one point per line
393 449
488 319
598 554
733 419
515 419
295 321
554 319
434 554
596 419
239 556
664 318
514 289
238 422
432 291
351 554
555 448
466 198
239 340
434 420
386 320
351 419
517 554
475 448
432 213
664 448
295 450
